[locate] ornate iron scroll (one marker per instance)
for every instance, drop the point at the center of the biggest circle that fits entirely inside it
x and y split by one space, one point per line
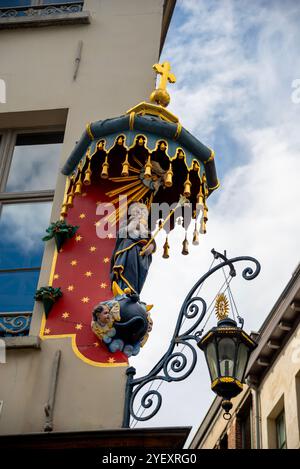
174 365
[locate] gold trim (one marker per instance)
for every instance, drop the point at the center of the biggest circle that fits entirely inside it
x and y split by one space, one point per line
206 337
178 131
128 148
89 131
154 110
226 379
212 157
215 187
131 120
248 338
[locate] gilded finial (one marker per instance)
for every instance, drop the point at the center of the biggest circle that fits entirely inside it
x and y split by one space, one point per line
160 95
222 306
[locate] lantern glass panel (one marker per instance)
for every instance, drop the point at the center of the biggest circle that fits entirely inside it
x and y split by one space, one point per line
226 356
211 358
241 362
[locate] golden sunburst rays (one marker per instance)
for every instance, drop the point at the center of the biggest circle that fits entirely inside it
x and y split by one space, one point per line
134 170
124 178
123 189
134 192
221 306
137 162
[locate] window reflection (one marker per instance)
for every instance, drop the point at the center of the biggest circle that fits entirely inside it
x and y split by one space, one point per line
14 3
35 162
17 290
21 228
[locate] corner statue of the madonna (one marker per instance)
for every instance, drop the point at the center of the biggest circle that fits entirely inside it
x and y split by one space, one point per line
123 323
130 262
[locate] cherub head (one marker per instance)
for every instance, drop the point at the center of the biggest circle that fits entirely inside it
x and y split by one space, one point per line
101 314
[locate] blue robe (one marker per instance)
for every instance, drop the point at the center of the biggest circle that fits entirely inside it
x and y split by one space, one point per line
128 268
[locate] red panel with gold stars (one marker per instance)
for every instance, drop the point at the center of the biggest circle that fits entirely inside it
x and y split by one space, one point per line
81 269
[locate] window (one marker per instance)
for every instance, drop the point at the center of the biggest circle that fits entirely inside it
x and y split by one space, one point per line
224 442
29 164
280 431
277 436
244 435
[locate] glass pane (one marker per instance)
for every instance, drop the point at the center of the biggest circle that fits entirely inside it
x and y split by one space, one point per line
17 290
22 226
241 361
280 430
211 357
14 3
35 162
226 356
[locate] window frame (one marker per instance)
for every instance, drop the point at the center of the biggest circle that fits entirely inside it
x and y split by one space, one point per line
8 138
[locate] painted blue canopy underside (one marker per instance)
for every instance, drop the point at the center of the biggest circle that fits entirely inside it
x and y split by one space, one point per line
154 129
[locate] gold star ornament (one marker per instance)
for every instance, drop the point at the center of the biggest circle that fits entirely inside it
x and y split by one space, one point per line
222 306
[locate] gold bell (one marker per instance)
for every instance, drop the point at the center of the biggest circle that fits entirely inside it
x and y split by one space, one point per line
205 210
185 247
105 166
64 211
196 166
78 186
195 236
125 167
166 247
187 187
202 226
70 198
148 167
200 198
87 177
169 177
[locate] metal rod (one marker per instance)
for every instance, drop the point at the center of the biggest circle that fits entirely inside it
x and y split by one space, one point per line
49 406
77 59
130 372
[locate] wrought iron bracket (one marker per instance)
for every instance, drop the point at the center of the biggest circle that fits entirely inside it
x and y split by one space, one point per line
174 365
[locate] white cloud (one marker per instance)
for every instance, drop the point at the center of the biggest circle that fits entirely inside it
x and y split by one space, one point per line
235 63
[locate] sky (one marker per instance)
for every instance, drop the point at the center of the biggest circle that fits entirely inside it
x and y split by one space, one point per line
235 63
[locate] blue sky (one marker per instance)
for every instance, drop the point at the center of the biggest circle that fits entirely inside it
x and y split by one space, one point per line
235 62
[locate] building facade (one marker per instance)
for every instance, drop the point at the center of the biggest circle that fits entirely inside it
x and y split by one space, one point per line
267 413
62 66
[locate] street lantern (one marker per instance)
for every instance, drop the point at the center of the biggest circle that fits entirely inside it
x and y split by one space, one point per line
227 349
